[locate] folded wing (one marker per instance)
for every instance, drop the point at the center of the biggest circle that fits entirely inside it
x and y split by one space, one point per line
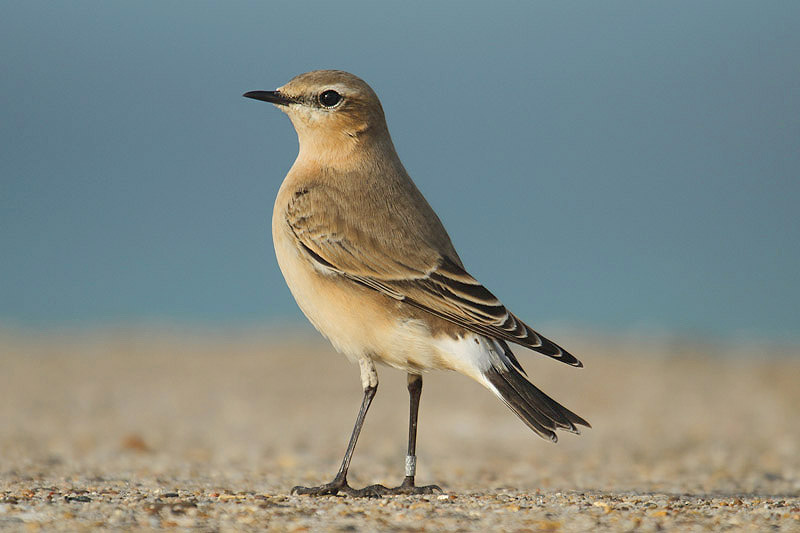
405 263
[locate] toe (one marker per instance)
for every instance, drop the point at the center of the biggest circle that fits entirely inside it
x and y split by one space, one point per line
428 489
372 491
329 489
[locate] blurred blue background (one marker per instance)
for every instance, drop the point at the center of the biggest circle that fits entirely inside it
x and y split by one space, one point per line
619 165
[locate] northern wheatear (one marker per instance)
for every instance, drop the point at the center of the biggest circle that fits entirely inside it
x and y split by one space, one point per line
373 269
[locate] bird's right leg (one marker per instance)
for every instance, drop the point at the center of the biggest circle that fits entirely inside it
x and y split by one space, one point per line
369 380
409 486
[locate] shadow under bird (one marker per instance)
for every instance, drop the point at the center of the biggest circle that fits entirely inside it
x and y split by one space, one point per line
372 267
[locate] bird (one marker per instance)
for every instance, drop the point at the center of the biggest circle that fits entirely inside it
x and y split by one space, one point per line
372 267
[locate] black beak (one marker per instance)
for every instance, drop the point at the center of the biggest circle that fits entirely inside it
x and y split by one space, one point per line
273 97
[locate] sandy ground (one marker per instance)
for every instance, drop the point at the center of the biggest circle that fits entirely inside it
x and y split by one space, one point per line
137 429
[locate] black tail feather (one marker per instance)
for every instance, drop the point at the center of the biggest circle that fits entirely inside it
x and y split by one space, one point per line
540 412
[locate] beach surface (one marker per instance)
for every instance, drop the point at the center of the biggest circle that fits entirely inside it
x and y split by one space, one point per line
147 429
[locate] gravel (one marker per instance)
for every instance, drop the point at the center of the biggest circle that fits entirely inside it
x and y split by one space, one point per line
146 429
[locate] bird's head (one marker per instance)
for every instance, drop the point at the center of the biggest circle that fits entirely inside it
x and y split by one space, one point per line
331 110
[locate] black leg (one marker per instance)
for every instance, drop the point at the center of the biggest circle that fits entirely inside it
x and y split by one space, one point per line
339 483
414 393
408 486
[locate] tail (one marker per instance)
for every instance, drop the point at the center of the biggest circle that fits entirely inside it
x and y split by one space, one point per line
540 412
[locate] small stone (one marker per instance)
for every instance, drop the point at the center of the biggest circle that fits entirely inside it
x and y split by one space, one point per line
134 443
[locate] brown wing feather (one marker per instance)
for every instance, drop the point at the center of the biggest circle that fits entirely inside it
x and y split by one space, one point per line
409 271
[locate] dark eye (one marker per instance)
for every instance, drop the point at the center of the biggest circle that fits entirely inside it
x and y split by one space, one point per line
330 98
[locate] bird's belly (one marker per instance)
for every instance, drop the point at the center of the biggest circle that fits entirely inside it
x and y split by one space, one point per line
358 321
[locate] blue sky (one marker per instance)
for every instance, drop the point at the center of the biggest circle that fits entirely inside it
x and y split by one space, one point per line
616 165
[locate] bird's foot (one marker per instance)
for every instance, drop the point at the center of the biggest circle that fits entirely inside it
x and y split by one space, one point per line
338 486
406 488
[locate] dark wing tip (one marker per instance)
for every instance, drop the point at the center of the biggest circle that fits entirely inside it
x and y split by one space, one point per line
551 349
570 359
